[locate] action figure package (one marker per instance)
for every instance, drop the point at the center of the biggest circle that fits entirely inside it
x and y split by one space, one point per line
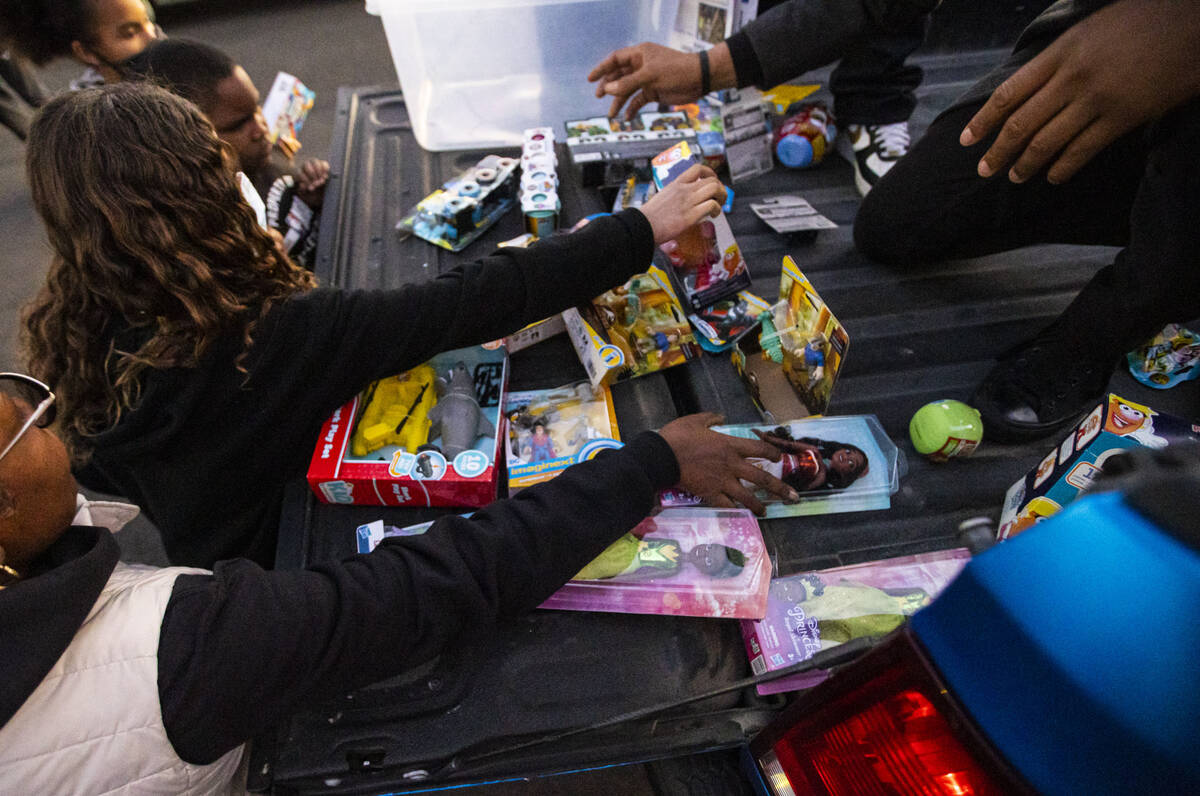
790 369
466 206
431 436
719 326
605 150
1115 425
836 464
1168 359
549 430
705 116
683 562
705 257
814 611
635 329
285 109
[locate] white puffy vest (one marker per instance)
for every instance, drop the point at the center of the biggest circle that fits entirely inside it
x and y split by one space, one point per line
94 725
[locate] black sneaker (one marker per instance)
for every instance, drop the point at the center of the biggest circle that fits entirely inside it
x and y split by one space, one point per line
1036 389
873 150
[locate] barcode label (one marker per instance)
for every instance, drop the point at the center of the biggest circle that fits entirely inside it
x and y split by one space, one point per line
758 665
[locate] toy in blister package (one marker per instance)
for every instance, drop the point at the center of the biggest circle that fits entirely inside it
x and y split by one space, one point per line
683 562
549 430
721 325
427 437
814 611
836 464
466 206
604 150
285 109
1169 358
706 257
1115 425
631 330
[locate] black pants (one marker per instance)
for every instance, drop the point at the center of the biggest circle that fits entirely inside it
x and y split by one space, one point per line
20 94
1141 193
872 84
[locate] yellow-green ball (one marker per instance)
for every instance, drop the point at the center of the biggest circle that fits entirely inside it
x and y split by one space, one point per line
946 428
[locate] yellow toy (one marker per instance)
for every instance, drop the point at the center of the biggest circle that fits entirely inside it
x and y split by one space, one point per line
397 412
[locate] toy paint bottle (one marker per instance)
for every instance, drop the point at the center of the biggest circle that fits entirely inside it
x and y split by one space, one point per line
805 137
946 428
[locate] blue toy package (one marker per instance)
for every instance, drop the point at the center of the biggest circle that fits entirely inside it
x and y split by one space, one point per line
466 206
1168 359
719 326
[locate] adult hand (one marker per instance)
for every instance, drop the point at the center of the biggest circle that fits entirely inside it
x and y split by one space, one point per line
647 72
713 466
695 195
310 185
1126 64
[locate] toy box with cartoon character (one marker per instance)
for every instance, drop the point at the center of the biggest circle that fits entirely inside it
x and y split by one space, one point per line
428 437
549 430
631 330
812 611
684 562
706 257
466 206
1113 426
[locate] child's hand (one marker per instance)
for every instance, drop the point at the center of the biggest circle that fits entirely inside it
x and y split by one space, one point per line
310 185
696 195
712 465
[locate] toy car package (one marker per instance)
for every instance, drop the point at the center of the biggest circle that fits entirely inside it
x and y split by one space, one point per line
1169 358
549 430
466 206
684 562
720 325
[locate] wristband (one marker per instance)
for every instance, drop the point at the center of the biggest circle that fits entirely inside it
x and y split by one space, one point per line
705 77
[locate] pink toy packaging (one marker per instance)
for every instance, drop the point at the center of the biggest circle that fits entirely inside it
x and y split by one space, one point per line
432 436
812 611
683 562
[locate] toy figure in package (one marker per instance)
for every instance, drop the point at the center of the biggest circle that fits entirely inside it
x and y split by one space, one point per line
285 109
813 611
549 430
706 257
1169 358
685 562
466 206
836 464
720 325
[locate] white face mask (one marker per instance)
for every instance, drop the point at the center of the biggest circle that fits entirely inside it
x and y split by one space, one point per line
253 199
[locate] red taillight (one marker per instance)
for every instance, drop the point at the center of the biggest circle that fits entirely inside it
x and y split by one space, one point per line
884 725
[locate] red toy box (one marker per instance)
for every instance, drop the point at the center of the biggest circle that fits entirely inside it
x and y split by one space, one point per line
428 437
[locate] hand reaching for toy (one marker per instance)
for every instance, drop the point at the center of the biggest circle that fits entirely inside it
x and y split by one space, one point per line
1126 64
713 466
649 72
687 201
310 185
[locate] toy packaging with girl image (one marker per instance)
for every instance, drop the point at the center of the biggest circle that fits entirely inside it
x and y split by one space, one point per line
634 329
836 464
1115 425
285 109
814 611
549 430
706 257
465 206
431 436
683 562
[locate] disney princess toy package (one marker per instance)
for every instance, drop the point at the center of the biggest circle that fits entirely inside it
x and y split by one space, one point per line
683 562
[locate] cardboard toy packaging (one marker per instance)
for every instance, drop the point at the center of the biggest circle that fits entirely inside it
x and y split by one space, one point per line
812 611
431 436
549 430
1115 425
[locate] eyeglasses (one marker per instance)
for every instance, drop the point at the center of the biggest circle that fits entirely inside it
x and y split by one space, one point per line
32 398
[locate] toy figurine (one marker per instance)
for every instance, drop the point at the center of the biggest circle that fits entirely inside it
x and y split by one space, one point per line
631 558
457 417
813 356
541 446
769 339
809 463
424 465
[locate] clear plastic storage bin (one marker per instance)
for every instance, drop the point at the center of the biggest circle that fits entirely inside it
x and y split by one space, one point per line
476 73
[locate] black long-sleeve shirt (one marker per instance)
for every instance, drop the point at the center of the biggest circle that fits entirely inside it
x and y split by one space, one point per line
207 450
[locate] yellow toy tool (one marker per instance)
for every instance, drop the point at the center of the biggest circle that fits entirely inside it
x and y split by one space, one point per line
397 412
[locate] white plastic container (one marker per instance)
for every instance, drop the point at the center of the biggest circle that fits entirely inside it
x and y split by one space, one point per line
476 73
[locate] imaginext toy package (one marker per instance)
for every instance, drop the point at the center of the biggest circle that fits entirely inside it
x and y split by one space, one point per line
836 464
790 369
706 257
464 207
285 109
684 562
429 437
1115 425
631 330
549 430
813 611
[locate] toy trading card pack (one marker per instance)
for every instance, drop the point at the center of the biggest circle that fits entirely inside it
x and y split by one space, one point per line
549 430
428 437
1114 426
814 611
684 562
836 464
631 330
466 206
706 257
